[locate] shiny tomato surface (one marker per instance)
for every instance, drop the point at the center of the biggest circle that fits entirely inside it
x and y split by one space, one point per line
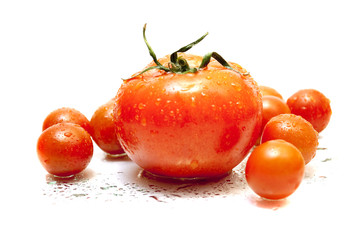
273 106
293 129
66 114
65 149
193 125
313 106
268 91
102 129
275 169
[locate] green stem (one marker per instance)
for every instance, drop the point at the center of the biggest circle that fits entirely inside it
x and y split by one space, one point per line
179 64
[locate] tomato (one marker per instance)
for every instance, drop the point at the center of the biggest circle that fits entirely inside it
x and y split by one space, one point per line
66 114
65 149
272 106
199 123
313 106
293 129
102 129
275 169
268 91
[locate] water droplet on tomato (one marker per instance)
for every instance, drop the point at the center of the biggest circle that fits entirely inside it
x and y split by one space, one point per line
188 87
141 106
193 103
158 100
239 105
143 121
236 86
194 164
68 134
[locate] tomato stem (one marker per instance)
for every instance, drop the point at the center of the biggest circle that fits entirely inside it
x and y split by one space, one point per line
179 64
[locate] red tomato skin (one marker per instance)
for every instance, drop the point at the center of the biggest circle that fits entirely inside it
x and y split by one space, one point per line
268 91
65 149
313 106
66 114
275 169
273 106
102 129
293 129
195 125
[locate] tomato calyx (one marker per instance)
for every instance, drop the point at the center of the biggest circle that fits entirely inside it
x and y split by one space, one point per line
179 64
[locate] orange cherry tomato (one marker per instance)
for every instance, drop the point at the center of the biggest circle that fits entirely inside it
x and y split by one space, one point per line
66 114
65 149
293 129
268 91
313 106
103 129
275 169
272 106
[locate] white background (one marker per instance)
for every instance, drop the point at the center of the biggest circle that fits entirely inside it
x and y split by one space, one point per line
74 54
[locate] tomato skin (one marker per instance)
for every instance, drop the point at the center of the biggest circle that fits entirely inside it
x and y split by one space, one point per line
272 106
275 169
66 114
191 125
268 91
102 129
313 106
293 129
65 149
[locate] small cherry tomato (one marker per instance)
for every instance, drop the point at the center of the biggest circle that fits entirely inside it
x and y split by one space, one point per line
65 149
103 129
66 114
313 106
293 129
272 106
275 169
268 91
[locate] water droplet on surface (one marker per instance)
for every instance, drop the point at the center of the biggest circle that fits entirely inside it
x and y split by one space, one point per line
158 101
67 134
143 121
141 106
194 164
193 103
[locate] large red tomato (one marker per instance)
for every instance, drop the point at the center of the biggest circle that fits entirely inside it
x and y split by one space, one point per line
189 125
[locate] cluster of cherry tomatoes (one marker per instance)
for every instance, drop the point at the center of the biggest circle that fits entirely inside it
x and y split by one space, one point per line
289 141
65 146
